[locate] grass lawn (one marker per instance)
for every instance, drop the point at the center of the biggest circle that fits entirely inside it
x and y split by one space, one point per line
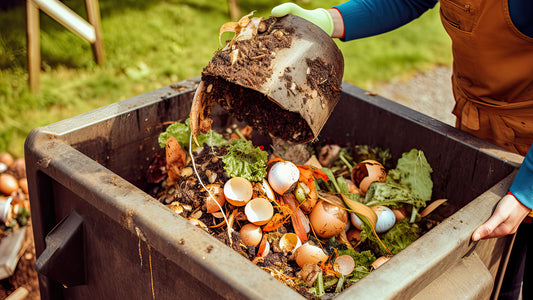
150 44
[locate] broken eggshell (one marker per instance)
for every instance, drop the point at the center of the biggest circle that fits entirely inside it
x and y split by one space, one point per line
283 177
259 211
328 219
216 192
309 254
344 264
251 234
366 172
238 191
289 242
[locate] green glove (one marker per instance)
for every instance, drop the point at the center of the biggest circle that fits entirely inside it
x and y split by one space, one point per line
319 16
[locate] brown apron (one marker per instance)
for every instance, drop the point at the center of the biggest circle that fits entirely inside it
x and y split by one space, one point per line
492 72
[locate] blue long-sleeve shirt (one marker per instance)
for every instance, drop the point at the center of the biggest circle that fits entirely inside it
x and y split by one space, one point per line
363 18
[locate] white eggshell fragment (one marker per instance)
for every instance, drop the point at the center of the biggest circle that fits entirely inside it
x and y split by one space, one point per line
366 172
216 193
308 253
259 211
268 191
289 242
283 177
251 234
356 222
328 219
386 218
238 191
344 264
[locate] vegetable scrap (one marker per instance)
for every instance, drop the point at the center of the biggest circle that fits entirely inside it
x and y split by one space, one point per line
14 200
317 226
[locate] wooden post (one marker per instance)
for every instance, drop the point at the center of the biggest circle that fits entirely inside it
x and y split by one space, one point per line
234 11
93 14
89 31
33 41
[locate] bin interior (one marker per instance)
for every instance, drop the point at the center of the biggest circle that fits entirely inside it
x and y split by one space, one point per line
127 143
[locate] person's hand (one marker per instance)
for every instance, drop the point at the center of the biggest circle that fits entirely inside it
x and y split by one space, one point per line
320 17
505 219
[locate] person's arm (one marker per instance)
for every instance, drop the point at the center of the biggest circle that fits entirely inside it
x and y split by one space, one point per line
359 18
513 207
364 18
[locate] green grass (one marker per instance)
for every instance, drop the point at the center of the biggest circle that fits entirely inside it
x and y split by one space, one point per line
150 44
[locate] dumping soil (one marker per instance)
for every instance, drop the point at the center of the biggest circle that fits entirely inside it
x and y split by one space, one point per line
249 79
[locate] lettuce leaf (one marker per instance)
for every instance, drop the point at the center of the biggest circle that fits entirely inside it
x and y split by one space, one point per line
401 235
415 174
245 160
182 132
391 194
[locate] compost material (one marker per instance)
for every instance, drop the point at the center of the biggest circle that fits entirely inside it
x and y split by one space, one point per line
273 76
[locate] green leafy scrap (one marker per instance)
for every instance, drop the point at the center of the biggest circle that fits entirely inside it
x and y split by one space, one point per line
182 132
245 160
401 235
415 174
363 261
391 194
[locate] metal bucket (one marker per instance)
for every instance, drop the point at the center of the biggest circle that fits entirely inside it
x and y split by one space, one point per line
280 75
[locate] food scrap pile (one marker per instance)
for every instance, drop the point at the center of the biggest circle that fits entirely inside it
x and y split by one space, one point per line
316 217
14 201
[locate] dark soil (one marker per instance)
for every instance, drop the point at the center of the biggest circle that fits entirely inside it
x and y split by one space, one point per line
236 73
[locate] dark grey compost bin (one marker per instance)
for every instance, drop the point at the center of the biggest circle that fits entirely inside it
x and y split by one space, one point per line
98 235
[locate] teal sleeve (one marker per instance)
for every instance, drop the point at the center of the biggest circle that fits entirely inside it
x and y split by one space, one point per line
363 18
522 187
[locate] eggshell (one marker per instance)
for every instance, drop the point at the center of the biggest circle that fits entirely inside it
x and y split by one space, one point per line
356 222
216 193
6 159
269 193
344 264
289 242
328 219
251 234
308 253
366 172
23 184
386 218
259 211
8 184
283 177
238 191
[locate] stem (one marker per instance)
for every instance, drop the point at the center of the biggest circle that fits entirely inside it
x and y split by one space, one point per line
345 161
340 283
238 132
320 285
413 215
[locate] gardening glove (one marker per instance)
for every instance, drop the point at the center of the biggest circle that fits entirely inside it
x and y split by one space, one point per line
319 16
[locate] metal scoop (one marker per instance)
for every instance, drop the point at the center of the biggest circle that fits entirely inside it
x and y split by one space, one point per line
282 76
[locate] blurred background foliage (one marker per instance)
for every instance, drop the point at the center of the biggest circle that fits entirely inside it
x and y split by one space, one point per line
150 44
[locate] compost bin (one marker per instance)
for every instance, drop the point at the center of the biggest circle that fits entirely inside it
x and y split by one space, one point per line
99 235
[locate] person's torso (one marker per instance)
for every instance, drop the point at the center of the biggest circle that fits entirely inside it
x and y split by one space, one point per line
493 60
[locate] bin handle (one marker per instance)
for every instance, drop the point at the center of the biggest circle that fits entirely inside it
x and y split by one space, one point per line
63 259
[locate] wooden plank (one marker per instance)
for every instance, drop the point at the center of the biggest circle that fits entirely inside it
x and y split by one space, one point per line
68 18
33 41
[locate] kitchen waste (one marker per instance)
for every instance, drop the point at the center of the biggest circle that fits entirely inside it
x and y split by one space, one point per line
317 217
